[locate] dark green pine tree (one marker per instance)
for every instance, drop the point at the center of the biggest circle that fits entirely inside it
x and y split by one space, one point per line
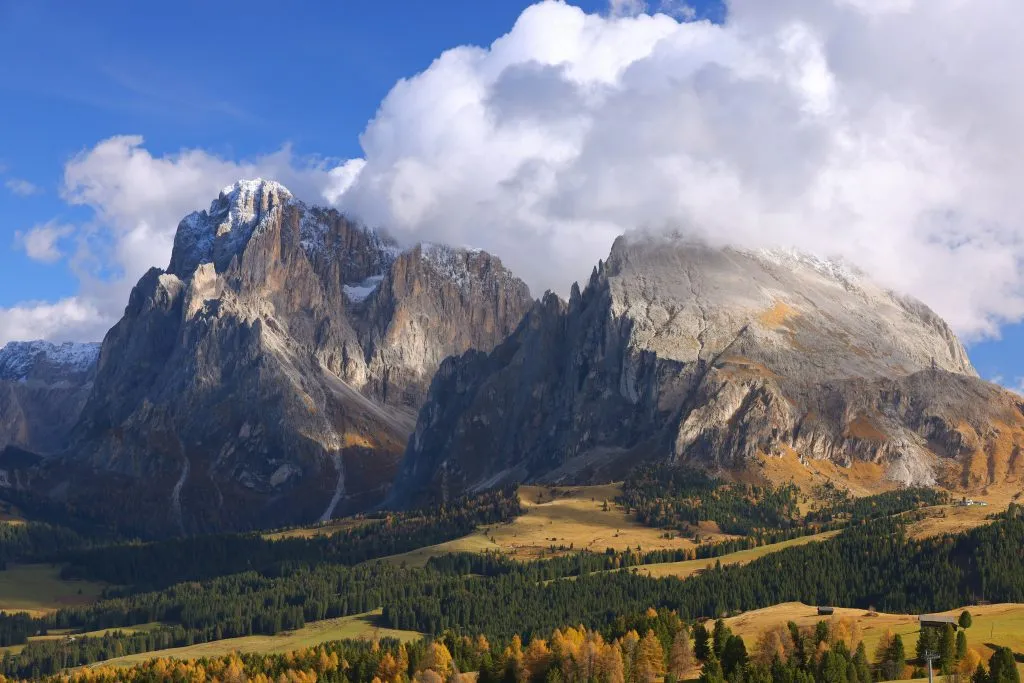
821 632
961 645
833 668
926 642
1002 668
947 649
782 672
758 673
734 655
719 637
861 665
897 656
712 672
701 646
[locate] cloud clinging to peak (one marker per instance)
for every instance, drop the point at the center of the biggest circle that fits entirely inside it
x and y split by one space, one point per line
881 132
885 132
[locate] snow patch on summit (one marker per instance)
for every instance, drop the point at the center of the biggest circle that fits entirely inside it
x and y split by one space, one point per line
315 226
452 263
838 271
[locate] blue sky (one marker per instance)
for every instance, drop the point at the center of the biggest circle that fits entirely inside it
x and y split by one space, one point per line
238 82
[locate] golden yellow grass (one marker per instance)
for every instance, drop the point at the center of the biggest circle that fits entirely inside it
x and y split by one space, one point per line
688 568
738 367
562 516
57 634
952 519
863 427
326 529
860 479
1001 624
995 462
361 626
39 590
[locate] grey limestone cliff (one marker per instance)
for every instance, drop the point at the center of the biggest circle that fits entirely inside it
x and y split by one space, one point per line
733 360
271 375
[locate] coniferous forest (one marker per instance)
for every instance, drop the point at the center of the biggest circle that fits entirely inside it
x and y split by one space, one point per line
871 563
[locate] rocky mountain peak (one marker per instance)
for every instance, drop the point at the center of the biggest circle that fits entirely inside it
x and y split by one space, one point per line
464 266
221 232
271 375
724 358
803 315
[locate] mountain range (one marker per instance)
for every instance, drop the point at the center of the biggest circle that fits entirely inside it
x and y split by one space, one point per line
291 365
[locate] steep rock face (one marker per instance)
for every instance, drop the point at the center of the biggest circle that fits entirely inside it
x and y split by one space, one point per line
271 375
433 300
720 357
42 389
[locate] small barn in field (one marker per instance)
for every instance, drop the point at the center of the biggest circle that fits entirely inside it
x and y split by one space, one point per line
826 611
937 621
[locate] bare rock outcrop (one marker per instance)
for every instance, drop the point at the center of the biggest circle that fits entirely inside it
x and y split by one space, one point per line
730 359
42 389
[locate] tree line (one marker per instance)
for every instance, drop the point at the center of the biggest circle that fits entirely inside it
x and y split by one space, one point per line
155 565
644 648
673 497
871 564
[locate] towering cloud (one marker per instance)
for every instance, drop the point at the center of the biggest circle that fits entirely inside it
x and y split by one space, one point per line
882 132
886 132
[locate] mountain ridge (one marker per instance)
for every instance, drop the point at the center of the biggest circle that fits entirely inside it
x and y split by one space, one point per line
43 386
291 365
718 357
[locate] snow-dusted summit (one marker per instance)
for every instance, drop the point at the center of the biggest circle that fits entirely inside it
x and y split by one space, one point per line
42 389
18 360
222 232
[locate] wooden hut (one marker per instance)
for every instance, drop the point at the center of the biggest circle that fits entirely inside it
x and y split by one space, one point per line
937 621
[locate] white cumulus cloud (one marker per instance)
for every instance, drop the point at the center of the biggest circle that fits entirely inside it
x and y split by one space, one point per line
883 132
69 319
41 243
137 200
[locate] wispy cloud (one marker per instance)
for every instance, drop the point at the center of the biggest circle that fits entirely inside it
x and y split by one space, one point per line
1015 385
41 243
21 187
170 96
626 8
